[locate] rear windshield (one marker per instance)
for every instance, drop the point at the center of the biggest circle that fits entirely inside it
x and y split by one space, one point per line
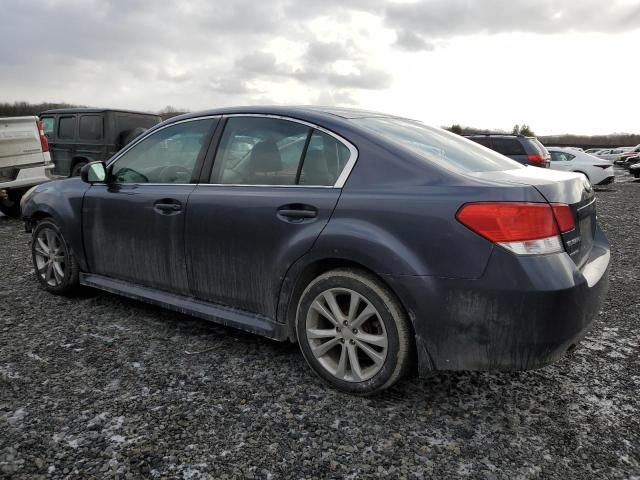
542 150
439 146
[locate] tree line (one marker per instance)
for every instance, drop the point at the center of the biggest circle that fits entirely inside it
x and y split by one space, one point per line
23 109
566 140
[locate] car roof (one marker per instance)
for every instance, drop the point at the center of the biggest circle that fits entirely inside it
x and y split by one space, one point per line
302 112
94 110
509 135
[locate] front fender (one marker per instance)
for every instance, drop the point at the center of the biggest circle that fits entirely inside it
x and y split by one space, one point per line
62 201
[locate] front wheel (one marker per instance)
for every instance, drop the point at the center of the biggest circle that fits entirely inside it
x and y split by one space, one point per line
353 332
55 265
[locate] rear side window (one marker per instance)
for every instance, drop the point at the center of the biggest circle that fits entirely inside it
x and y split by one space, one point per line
508 146
486 141
558 156
66 128
90 127
438 146
259 151
541 149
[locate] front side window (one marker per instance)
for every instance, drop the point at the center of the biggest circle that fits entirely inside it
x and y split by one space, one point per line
166 156
67 128
90 127
47 125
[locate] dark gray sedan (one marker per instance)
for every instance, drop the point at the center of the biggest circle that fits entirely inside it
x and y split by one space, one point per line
377 243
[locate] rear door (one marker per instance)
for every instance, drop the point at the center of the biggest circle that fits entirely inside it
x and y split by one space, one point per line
133 226
272 189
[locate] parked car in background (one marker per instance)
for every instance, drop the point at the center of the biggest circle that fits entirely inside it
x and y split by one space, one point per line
630 161
24 160
593 151
635 169
597 170
525 150
613 154
269 219
78 136
633 152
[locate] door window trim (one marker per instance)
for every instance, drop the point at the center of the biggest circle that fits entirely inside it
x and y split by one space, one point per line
152 131
339 183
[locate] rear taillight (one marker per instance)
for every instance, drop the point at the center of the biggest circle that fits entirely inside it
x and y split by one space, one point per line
523 228
537 160
44 143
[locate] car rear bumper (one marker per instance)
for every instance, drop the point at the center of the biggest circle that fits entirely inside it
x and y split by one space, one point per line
607 180
524 313
30 176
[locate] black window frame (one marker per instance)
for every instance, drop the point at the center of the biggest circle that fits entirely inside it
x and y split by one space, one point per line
90 140
75 127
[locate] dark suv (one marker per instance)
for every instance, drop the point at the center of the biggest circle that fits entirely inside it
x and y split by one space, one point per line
525 150
78 136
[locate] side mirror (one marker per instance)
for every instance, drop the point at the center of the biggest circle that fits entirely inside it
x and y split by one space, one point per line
94 172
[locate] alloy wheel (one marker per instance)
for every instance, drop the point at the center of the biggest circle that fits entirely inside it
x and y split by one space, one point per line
50 257
346 335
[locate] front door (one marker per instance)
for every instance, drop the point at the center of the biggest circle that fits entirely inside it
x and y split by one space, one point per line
272 189
133 226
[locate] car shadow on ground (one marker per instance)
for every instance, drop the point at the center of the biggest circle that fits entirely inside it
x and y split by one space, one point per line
200 337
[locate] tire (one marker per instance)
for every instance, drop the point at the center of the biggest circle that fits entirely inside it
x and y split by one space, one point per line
75 171
54 262
375 322
11 206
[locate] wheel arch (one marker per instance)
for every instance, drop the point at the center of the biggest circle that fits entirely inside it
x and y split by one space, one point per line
301 274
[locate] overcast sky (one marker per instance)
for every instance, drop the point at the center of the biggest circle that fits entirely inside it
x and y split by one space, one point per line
560 66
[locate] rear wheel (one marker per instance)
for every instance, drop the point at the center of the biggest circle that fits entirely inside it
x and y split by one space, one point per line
10 206
353 332
54 262
75 171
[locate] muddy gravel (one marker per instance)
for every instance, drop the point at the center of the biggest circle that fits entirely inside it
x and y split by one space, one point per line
97 386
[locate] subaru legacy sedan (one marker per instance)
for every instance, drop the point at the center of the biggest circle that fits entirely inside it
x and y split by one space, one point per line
380 245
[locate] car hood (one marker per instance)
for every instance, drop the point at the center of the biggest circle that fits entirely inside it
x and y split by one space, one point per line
554 185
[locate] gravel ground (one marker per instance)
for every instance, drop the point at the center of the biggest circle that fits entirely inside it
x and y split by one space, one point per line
100 386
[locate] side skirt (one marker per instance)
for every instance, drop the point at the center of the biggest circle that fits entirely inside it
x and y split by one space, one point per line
227 316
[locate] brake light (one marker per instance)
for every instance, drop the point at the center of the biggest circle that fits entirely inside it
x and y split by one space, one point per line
523 228
537 160
44 143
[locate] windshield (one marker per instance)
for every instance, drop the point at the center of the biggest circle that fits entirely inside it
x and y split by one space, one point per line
439 146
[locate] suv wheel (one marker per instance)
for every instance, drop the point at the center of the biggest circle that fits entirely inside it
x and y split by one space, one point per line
75 171
55 265
353 332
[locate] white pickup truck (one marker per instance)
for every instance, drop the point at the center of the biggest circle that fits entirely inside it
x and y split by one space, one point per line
24 160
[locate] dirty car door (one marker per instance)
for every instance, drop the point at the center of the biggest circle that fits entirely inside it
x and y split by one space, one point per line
133 226
273 188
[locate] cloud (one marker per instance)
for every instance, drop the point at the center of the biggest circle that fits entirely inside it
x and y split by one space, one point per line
437 19
147 53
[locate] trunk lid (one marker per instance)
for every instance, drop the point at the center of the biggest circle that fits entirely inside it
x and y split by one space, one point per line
555 186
